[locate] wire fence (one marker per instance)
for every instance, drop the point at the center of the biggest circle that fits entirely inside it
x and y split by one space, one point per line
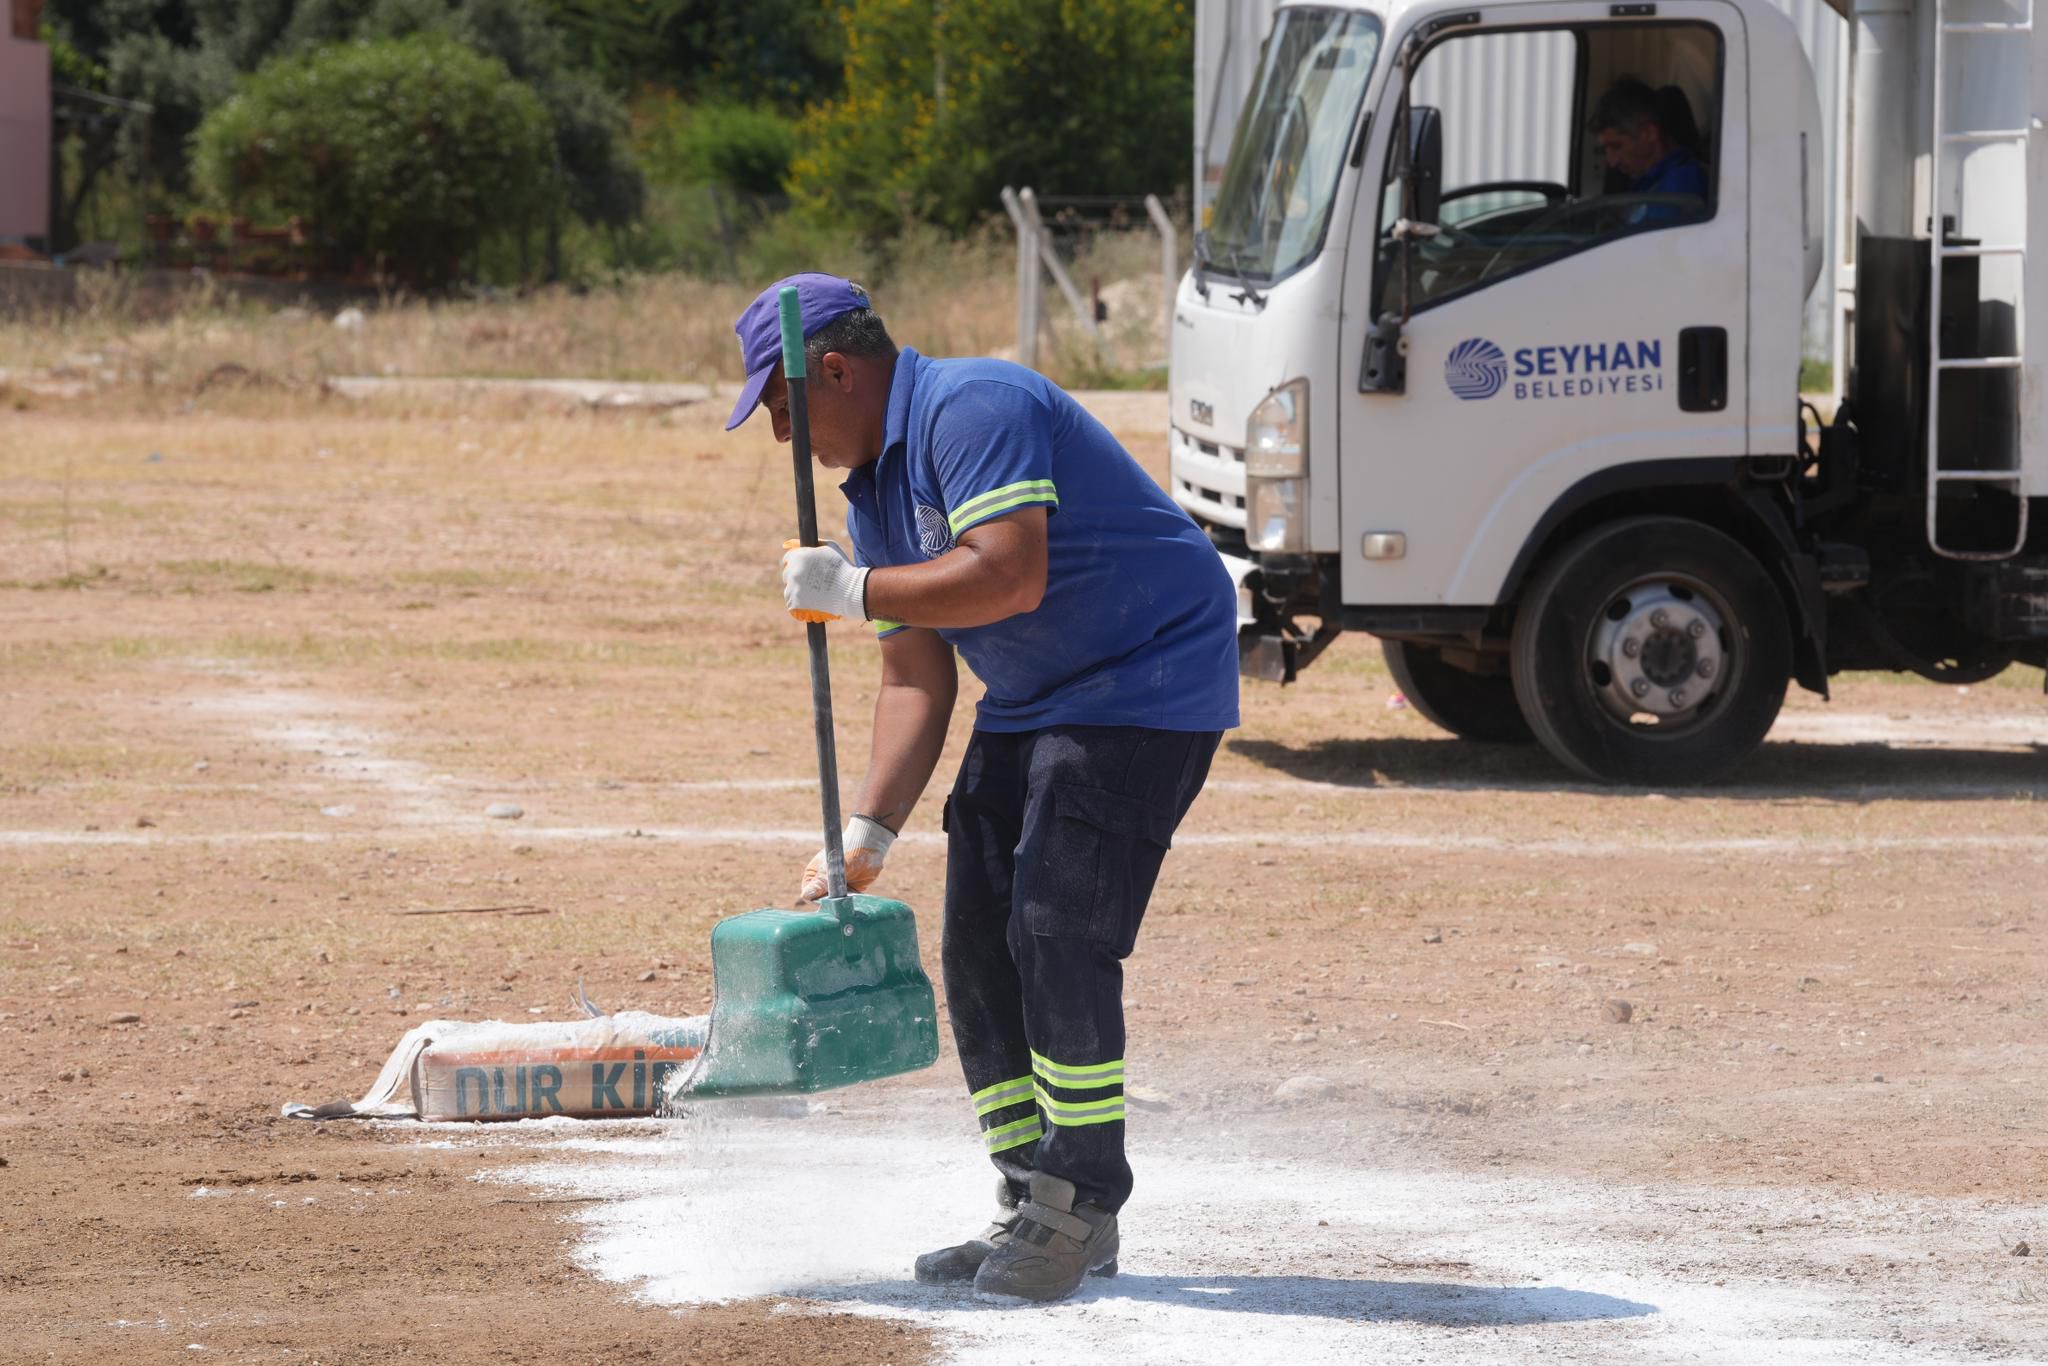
1114 263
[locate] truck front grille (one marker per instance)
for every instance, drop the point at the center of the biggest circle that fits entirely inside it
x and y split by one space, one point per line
1207 479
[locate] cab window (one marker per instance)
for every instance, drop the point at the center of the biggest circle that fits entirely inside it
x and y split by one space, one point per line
1554 141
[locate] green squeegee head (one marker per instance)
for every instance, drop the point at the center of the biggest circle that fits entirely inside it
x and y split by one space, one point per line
809 1000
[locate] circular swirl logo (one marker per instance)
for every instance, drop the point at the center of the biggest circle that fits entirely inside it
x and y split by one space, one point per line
1476 369
934 536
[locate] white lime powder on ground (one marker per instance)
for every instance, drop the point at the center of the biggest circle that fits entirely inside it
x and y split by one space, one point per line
1241 1260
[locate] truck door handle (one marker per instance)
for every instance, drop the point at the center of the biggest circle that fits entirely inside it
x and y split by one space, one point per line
1703 369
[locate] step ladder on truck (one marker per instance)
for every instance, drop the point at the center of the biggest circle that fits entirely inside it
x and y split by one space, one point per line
1491 346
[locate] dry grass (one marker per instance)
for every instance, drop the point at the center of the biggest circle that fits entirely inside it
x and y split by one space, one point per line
944 297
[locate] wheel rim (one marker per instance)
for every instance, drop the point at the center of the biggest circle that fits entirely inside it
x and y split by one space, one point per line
1661 657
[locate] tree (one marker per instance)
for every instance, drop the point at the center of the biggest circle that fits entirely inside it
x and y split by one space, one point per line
591 152
946 102
86 135
781 53
408 151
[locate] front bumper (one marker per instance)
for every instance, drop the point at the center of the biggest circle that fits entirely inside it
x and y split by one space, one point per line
1243 577
1270 644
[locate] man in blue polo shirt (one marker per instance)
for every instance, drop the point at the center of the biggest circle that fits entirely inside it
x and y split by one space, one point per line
992 516
1639 137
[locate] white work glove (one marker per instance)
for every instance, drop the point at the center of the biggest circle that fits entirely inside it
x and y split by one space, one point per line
820 584
866 843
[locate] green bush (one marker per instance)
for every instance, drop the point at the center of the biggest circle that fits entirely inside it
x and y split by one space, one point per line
405 152
736 146
715 174
180 60
947 103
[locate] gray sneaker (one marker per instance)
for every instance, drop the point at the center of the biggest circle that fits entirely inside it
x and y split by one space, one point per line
960 1261
1052 1246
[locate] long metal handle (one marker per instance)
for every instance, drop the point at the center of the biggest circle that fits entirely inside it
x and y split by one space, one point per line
791 315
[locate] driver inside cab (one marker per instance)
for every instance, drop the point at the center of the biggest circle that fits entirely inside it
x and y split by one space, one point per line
1647 138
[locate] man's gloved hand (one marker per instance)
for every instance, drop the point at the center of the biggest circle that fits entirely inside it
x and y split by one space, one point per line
867 843
820 584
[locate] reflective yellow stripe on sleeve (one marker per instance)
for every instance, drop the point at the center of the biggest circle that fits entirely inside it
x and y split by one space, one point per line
1002 500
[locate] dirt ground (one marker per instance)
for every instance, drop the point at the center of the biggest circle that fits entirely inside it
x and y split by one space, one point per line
265 660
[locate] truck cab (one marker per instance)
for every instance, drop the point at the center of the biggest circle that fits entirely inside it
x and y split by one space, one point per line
1491 349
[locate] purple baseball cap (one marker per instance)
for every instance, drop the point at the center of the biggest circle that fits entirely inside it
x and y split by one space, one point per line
821 297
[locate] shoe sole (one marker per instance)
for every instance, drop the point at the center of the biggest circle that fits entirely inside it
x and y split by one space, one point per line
1107 1271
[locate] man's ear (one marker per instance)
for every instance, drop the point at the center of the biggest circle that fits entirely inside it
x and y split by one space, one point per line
837 370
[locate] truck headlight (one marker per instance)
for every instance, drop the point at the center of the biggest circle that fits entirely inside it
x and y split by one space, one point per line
1276 438
1276 514
1276 470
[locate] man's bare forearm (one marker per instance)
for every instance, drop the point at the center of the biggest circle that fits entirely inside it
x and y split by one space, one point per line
995 572
912 711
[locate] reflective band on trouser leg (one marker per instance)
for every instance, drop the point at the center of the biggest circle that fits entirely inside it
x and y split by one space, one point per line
1008 1112
1069 1115
1073 1096
1003 1093
1014 1134
1088 1077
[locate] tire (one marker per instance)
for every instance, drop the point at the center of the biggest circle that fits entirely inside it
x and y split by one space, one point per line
1651 651
1468 705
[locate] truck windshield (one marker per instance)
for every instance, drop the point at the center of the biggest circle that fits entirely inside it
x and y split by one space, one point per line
1290 142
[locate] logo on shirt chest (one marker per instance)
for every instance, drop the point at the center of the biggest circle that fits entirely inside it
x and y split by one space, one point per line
934 534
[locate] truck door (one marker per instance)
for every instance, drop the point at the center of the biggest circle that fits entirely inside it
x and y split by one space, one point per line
1582 306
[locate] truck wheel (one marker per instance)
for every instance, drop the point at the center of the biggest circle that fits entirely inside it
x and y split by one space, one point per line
1468 705
1654 651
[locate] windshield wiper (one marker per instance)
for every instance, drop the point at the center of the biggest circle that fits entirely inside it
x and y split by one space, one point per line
1231 269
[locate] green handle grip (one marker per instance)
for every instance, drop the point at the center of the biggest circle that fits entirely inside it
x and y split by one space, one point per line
792 333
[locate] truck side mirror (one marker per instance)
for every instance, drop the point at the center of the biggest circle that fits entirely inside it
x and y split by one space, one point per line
1425 164
1384 367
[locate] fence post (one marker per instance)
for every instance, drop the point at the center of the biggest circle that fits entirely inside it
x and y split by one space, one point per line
1028 282
1169 267
1052 263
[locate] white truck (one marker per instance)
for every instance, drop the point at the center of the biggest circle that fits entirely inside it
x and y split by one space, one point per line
1541 431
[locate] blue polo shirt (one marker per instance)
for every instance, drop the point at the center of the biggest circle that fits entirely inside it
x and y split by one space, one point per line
1677 172
1138 626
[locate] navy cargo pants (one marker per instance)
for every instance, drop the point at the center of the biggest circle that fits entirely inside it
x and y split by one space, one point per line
1054 840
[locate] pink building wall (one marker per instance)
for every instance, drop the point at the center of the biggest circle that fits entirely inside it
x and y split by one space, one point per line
24 138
